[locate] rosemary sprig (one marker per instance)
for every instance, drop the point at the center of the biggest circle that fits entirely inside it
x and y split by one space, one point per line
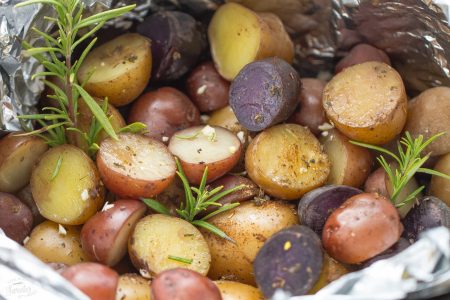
56 57
409 161
203 199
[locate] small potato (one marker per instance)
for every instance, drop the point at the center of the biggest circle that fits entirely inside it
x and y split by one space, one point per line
310 111
362 53
287 161
232 290
226 118
158 240
398 247
331 271
133 287
239 36
164 111
183 284
207 89
18 155
119 69
51 242
26 197
66 186
350 164
429 114
264 93
363 227
97 281
249 225
104 237
440 187
16 219
199 147
135 166
367 102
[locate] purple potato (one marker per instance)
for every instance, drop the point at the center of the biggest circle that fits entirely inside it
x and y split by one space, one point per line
16 219
317 205
177 43
431 212
398 247
291 260
264 93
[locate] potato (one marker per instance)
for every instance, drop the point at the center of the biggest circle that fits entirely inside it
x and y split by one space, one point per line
18 155
133 287
226 118
239 36
398 247
429 114
376 182
135 165
249 225
164 111
207 89
350 164
16 219
104 237
183 284
264 93
66 186
317 205
362 53
440 187
286 161
367 102
290 260
177 43
204 146
310 111
26 197
51 242
331 271
97 281
158 240
119 69
232 290
363 227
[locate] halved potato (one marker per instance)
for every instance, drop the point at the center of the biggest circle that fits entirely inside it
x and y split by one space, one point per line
232 290
199 147
66 186
159 242
104 237
119 69
18 154
133 287
135 165
239 36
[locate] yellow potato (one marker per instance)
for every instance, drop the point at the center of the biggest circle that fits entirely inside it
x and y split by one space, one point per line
119 69
440 187
367 102
232 290
331 270
133 287
66 186
239 36
54 244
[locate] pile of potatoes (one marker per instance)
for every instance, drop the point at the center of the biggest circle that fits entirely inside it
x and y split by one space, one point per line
313 206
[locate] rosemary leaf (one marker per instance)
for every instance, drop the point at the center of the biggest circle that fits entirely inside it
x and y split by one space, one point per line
213 229
156 206
57 168
181 259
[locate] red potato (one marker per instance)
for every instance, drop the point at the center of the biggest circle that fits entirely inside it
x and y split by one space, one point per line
199 147
104 237
26 197
362 53
310 111
16 219
183 284
207 89
363 227
135 166
164 111
97 281
18 155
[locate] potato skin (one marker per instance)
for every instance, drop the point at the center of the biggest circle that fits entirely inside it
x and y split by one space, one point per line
246 224
429 114
331 271
133 287
49 245
16 219
207 89
440 187
367 102
364 226
183 284
97 281
164 111
362 53
232 290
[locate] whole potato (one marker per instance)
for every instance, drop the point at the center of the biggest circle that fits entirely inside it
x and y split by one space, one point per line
232 290
133 287
362 53
364 226
249 225
16 219
440 187
26 197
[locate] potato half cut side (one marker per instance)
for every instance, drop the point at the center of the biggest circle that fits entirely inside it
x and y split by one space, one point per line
135 166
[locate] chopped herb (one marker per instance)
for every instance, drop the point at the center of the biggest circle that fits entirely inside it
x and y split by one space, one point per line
181 259
57 168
